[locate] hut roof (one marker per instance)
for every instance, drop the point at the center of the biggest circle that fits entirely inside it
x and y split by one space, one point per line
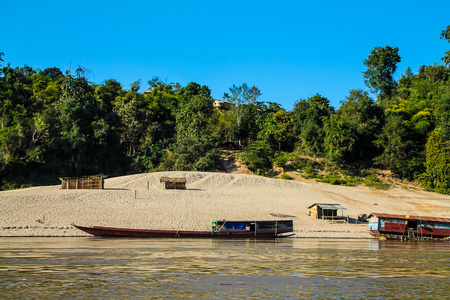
415 218
172 180
100 176
328 206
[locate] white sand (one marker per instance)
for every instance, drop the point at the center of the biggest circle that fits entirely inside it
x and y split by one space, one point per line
50 211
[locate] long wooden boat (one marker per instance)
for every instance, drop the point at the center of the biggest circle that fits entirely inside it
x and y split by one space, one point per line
408 227
220 229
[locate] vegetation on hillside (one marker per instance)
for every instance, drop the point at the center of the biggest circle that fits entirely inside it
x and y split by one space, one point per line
54 124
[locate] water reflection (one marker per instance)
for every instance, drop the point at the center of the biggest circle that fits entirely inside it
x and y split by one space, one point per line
178 268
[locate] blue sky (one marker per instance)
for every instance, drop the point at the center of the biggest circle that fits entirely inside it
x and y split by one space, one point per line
288 49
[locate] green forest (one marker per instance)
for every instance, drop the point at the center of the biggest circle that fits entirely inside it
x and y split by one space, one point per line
55 124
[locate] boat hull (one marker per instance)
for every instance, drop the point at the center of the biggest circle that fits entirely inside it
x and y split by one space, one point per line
148 233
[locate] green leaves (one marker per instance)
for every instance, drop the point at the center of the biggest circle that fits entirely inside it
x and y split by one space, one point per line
437 176
351 131
381 65
196 154
445 34
277 129
195 109
244 100
258 156
309 117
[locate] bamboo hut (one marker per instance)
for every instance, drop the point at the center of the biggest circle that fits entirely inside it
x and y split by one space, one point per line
84 182
173 183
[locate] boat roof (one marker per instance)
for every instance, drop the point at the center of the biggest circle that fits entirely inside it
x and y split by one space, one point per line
251 221
408 217
328 206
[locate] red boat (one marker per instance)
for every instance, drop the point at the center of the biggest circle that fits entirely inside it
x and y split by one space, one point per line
220 229
408 227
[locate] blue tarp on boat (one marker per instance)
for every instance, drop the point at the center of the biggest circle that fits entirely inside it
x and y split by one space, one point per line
235 225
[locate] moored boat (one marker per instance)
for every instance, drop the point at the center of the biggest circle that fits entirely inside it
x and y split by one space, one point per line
220 229
408 227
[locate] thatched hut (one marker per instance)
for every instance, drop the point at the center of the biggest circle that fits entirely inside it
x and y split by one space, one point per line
173 183
84 182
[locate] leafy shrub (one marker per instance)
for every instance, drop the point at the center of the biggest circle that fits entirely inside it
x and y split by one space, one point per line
331 179
194 154
437 176
336 181
352 181
299 162
9 186
280 159
258 156
310 172
285 176
374 182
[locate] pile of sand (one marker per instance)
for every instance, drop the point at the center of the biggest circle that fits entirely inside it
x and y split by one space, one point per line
137 201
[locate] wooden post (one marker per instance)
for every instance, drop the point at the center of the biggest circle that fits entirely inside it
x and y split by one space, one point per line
134 194
148 185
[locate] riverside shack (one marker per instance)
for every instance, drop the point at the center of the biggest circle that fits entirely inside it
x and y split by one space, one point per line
173 183
84 182
408 227
327 211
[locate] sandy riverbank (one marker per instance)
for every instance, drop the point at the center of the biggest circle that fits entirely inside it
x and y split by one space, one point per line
137 201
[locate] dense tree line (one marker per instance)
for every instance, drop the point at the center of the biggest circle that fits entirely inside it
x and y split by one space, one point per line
54 124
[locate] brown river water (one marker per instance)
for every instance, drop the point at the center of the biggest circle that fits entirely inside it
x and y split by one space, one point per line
291 268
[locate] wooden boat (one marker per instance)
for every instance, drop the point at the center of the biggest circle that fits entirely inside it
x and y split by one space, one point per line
220 229
408 227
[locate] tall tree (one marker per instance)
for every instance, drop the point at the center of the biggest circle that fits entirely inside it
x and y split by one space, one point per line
76 111
309 117
401 151
437 175
381 66
445 34
195 149
195 109
277 129
162 102
240 96
351 131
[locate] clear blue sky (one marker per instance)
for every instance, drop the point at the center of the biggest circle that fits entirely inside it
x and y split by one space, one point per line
288 49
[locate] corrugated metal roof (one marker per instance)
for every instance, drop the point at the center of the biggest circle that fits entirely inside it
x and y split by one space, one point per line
328 206
415 218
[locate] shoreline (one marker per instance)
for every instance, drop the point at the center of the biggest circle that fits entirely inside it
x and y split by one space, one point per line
73 232
137 201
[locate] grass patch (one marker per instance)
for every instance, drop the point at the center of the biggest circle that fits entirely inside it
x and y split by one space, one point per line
332 179
309 171
374 182
338 180
353 181
285 176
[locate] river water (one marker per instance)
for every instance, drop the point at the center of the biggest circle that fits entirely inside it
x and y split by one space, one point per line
292 268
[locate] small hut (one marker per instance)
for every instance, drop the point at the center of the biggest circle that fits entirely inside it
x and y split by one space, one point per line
327 211
173 183
84 182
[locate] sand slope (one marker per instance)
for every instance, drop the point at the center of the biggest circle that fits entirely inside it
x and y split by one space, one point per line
126 202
